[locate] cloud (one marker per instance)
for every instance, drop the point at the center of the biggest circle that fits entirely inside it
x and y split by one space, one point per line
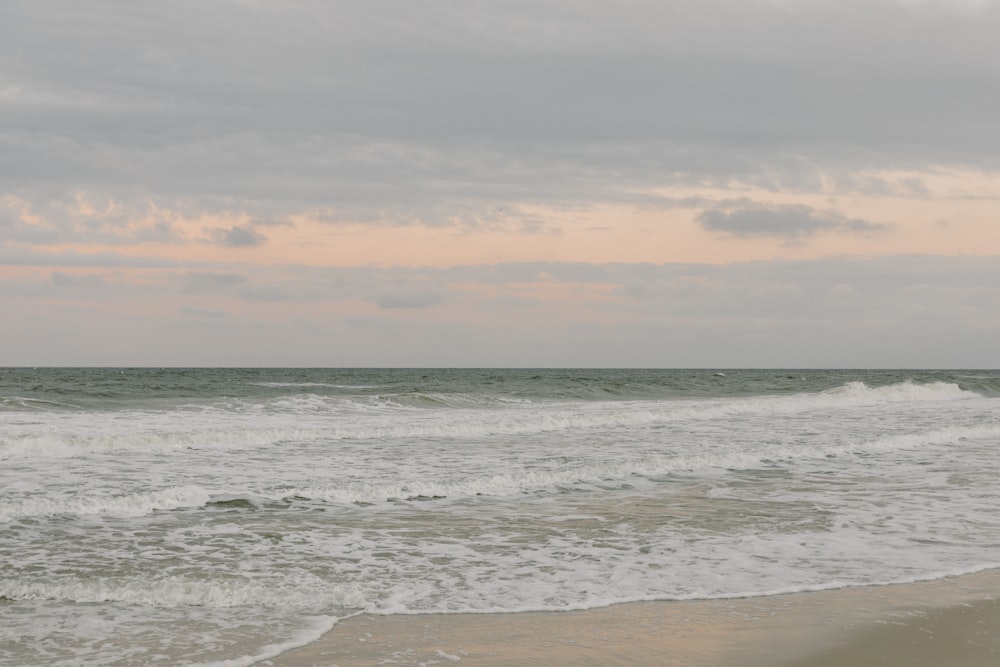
409 298
200 312
830 312
22 256
203 282
142 125
394 112
792 222
63 279
77 217
237 236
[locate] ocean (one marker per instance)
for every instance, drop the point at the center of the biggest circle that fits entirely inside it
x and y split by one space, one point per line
222 516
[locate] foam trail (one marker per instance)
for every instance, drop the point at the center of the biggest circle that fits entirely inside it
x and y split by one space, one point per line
318 626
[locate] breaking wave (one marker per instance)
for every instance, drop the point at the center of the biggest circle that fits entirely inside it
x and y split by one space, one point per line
230 432
501 484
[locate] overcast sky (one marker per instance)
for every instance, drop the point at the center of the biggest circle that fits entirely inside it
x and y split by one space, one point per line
652 183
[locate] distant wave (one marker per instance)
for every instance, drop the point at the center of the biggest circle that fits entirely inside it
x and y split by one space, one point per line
315 384
458 400
513 419
23 403
903 391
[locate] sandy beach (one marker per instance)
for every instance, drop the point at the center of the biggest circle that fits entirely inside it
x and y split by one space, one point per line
954 622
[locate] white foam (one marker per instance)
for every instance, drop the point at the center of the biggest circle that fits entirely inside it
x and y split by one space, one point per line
900 392
472 484
598 602
174 591
34 404
315 628
503 484
58 444
279 385
941 436
84 504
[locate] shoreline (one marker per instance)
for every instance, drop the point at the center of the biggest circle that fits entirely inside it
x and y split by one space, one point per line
953 621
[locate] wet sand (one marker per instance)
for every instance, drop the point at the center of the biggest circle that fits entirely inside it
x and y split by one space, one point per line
953 622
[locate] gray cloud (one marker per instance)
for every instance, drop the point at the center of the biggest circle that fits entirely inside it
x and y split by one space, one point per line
60 220
421 298
26 256
200 312
64 279
393 110
791 222
237 236
266 293
202 282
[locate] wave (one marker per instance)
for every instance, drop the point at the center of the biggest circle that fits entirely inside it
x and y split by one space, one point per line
850 393
339 404
943 436
316 628
420 399
133 504
19 403
408 401
593 601
175 591
497 485
350 600
68 445
280 385
508 420
622 472
900 392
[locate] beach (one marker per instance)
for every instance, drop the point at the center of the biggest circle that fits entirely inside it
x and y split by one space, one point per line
953 622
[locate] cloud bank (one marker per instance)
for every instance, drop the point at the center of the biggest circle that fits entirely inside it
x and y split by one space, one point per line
904 311
791 222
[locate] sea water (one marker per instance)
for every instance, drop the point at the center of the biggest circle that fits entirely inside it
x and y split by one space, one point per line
222 516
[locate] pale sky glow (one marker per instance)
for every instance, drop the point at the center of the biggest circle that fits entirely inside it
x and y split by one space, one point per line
553 183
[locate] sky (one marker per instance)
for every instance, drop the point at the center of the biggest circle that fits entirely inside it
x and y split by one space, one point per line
543 183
